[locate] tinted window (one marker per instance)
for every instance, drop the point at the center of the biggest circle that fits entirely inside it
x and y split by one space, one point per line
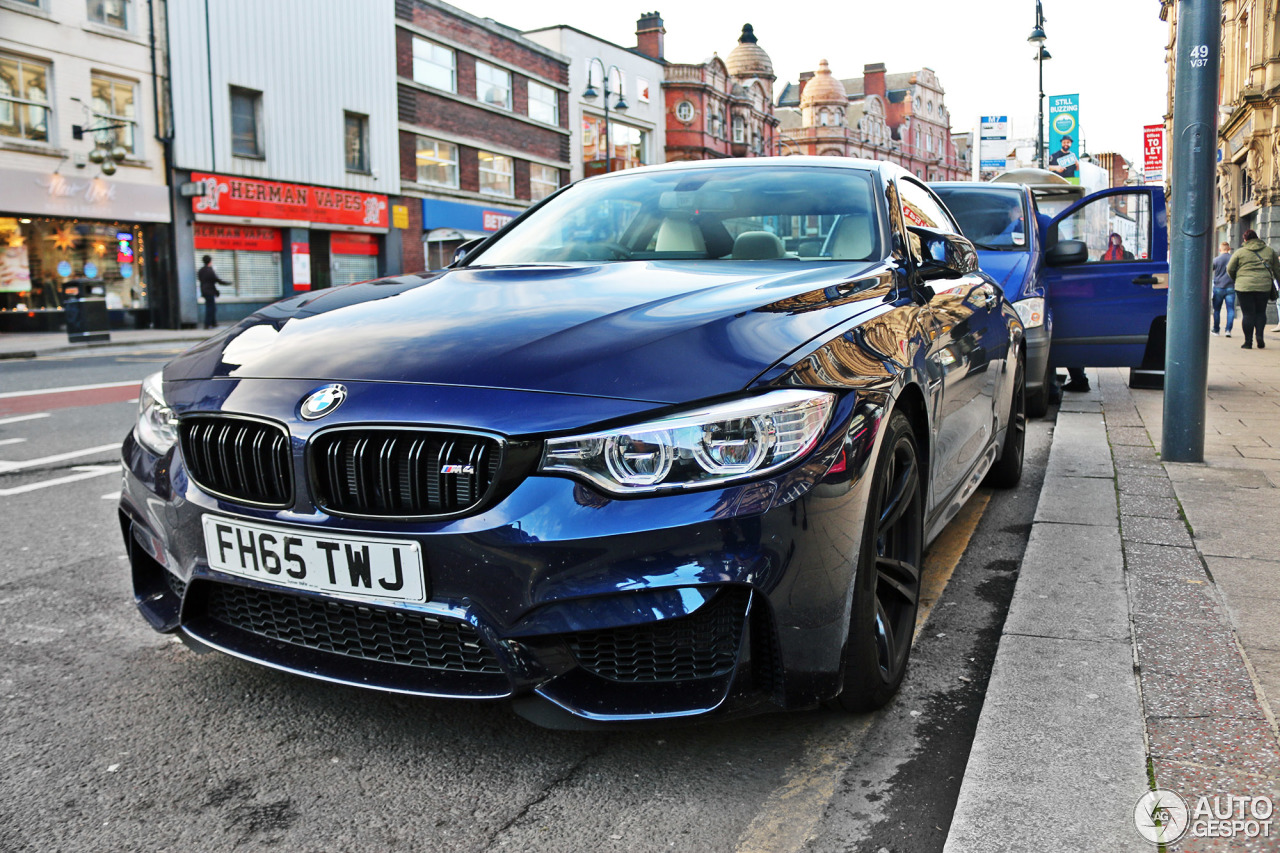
920 208
1116 228
993 218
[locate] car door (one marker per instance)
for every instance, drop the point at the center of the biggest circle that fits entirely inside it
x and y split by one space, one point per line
1107 307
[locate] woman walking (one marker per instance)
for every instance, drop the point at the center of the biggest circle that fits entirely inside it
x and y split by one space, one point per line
1252 268
1222 290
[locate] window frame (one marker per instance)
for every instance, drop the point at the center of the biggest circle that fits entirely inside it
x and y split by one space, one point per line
437 143
23 104
102 21
693 112
534 169
113 118
510 174
553 103
480 63
363 167
415 58
255 101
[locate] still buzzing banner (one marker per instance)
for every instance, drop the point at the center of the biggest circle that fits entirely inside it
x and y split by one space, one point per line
1064 136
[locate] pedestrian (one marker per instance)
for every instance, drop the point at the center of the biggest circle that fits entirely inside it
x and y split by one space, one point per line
1253 269
1116 250
1223 291
209 282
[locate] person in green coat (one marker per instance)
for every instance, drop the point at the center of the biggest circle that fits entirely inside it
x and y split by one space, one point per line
1253 267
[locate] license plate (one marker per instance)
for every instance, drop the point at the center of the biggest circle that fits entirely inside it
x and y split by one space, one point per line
385 569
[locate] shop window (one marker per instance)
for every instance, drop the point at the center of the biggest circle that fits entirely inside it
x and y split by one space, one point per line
627 151
40 258
246 256
544 103
497 176
24 99
493 85
356 142
434 66
246 116
352 258
110 13
113 104
437 163
543 181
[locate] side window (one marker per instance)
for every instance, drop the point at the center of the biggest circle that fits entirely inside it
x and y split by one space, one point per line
920 208
1116 228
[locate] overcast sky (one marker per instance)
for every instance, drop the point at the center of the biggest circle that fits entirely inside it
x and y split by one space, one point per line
1110 51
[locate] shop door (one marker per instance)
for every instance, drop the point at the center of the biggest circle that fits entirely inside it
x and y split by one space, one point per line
354 257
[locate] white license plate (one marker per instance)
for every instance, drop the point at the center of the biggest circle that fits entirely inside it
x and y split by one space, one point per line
386 569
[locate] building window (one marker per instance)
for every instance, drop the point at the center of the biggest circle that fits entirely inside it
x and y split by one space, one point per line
246 114
113 103
544 103
356 141
684 111
497 176
493 85
437 163
739 129
434 65
110 13
543 181
24 99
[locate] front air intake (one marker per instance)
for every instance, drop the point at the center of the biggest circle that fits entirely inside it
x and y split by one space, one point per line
238 458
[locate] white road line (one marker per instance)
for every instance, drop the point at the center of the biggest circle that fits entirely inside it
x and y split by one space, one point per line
111 496
14 420
6 467
4 441
8 394
85 472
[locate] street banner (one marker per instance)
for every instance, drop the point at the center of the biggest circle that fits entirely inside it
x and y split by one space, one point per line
1153 153
993 143
1064 136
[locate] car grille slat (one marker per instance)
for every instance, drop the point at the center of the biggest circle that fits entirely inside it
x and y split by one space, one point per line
238 458
396 473
703 644
348 628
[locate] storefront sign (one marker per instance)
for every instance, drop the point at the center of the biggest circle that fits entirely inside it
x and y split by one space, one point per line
352 244
301 266
464 217
49 194
494 220
226 195
399 216
246 237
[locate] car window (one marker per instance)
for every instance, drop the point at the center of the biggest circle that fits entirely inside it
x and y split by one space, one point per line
1115 228
920 208
725 213
993 218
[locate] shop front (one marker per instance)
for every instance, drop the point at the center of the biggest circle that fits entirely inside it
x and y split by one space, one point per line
449 224
270 239
69 237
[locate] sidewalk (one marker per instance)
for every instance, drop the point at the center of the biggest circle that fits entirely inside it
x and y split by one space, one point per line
1142 646
33 344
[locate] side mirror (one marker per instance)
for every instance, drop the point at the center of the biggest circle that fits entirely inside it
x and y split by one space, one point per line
465 249
944 255
1067 252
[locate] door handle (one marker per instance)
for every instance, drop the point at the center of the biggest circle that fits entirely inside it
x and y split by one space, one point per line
1148 280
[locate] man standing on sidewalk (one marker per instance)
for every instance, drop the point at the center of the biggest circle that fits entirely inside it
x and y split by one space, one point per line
1253 268
209 282
1223 291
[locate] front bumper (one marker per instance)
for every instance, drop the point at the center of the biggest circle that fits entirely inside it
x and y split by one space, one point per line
664 607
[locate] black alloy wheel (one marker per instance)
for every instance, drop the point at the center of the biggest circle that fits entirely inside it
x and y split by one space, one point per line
1007 471
887 585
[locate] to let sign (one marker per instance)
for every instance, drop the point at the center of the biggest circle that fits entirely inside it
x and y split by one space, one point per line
227 195
1153 153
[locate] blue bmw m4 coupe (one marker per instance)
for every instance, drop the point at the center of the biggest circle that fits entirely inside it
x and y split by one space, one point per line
668 446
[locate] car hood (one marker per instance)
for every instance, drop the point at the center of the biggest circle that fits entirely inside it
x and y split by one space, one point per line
655 331
1009 269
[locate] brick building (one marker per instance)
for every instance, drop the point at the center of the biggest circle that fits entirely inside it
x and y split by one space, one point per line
483 125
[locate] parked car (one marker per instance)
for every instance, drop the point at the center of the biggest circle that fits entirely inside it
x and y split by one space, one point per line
1081 307
669 445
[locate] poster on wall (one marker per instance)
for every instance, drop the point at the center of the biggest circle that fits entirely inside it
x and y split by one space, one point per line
1153 153
1064 136
301 253
15 269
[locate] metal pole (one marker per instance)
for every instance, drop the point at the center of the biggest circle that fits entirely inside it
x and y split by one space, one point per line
1040 123
1195 134
608 143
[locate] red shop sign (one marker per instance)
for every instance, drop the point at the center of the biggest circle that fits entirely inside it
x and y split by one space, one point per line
210 236
227 195
353 244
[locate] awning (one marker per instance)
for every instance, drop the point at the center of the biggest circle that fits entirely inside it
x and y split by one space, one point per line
449 235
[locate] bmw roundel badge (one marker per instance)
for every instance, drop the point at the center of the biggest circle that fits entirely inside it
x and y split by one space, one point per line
321 402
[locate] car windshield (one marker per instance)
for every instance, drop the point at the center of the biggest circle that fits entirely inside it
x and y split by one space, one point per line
730 213
992 217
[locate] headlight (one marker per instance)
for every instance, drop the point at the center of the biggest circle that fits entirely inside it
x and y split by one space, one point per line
708 447
157 428
1030 311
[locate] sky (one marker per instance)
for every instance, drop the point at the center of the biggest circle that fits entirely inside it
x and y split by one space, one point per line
1111 52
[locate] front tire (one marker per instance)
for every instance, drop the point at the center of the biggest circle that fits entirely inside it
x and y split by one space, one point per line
887 583
1007 471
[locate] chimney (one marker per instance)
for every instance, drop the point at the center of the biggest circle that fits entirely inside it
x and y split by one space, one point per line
649 33
873 79
805 77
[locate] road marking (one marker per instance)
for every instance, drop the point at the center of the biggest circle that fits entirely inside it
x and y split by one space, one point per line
65 388
4 441
19 402
85 472
34 417
111 496
6 467
793 812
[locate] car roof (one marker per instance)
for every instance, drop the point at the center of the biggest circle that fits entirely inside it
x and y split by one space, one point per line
881 166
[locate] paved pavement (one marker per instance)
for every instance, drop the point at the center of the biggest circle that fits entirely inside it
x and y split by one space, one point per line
34 344
1142 646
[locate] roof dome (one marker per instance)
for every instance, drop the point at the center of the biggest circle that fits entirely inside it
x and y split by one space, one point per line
824 88
748 59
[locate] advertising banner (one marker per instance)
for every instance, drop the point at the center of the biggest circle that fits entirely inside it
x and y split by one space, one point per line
993 143
1153 153
227 195
243 237
1064 136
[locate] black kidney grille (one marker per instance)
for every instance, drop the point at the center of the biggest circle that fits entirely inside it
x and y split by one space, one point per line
701 645
238 458
390 472
352 629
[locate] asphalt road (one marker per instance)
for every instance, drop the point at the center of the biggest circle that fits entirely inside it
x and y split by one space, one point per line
118 738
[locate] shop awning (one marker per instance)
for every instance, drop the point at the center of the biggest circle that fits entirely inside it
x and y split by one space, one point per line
449 235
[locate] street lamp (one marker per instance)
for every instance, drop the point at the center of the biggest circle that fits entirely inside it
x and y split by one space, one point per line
620 104
1037 38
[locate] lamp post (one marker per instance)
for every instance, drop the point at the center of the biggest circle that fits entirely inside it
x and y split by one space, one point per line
1037 38
620 104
